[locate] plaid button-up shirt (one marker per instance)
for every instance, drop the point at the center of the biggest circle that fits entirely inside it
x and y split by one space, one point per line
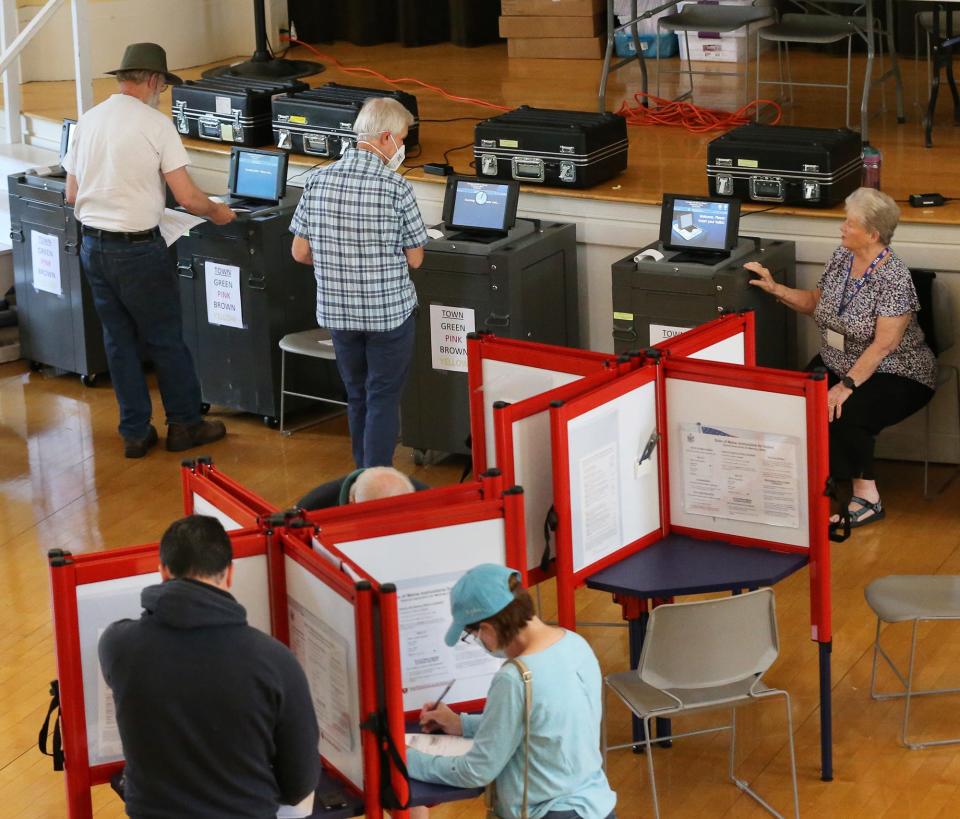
358 218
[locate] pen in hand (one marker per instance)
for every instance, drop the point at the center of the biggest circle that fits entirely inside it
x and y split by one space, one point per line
430 725
444 693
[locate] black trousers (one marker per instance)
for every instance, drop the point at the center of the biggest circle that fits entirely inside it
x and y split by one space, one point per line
881 401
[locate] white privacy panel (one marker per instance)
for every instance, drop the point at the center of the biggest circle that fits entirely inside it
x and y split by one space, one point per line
503 381
614 498
323 637
738 461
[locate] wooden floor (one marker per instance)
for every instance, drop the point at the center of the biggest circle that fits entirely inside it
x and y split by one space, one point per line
64 483
661 158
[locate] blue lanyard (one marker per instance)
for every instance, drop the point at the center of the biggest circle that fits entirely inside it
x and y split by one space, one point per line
859 283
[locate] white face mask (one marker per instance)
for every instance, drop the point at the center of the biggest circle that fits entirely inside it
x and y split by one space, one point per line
396 160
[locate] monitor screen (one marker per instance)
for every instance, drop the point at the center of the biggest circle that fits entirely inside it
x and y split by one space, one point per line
66 134
483 207
260 175
698 223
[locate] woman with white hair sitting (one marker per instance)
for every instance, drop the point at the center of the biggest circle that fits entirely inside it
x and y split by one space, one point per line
879 367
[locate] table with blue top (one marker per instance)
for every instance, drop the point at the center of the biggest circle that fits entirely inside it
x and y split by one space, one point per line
682 565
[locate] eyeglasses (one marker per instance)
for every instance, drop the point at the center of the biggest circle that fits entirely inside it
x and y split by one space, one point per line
471 638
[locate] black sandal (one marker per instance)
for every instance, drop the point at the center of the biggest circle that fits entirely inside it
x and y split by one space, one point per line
865 508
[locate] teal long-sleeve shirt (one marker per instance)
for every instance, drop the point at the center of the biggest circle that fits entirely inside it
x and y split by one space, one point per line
565 760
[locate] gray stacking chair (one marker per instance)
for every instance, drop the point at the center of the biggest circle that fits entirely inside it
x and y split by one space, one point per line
823 22
903 598
721 19
703 655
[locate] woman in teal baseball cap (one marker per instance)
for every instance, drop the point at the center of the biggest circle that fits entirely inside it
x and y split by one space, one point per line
537 741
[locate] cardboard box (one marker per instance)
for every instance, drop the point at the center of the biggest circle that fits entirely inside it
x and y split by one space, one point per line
713 49
551 26
564 48
552 8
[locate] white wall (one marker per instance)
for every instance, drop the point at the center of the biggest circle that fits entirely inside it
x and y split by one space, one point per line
607 231
193 32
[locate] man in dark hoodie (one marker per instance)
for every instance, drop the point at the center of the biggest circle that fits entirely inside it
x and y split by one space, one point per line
215 716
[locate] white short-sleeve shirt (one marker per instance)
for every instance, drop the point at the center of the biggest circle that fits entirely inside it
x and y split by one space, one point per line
119 151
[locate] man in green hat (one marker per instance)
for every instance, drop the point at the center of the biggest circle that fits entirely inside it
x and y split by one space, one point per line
123 154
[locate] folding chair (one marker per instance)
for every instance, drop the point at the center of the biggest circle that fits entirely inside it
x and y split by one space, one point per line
698 656
903 598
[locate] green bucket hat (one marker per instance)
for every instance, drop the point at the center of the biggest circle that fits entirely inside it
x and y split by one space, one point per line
147 57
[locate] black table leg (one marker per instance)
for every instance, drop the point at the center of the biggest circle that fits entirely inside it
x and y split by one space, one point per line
951 81
826 714
934 91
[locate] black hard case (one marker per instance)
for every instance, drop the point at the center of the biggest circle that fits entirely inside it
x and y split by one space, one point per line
229 109
776 163
567 149
320 120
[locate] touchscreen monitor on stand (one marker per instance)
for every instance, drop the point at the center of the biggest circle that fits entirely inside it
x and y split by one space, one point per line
703 229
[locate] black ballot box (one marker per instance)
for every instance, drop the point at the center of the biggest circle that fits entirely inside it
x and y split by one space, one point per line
241 291
521 285
59 326
656 298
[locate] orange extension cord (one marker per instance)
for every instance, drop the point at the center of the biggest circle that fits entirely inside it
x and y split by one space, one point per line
678 114
398 80
692 117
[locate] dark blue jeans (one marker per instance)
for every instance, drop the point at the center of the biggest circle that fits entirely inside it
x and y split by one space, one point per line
135 293
373 367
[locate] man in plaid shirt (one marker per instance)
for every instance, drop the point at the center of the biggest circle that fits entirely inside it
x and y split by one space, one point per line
359 225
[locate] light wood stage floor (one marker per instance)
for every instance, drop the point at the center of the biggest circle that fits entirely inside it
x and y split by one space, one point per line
64 484
661 158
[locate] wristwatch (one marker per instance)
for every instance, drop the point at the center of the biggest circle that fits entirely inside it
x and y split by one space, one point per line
848 382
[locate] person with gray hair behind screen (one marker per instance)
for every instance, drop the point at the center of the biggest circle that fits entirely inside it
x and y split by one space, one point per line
359 225
879 366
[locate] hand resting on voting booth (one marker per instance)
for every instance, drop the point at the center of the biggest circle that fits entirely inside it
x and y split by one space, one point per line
537 741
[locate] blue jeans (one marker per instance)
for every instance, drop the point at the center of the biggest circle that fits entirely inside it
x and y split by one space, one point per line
135 293
374 367
568 814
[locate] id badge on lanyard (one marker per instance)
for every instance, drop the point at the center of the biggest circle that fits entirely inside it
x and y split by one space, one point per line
859 283
836 340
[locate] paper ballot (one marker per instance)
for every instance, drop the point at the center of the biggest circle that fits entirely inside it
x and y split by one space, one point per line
299 811
176 223
439 744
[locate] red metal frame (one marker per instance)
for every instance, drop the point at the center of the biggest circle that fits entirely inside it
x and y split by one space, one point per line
509 508
67 572
719 329
813 388
360 596
483 346
393 689
506 415
472 491
203 478
560 416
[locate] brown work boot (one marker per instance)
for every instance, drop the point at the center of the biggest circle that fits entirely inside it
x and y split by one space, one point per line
181 436
138 447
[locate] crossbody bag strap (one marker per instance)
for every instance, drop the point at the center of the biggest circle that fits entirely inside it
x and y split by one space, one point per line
491 793
527 677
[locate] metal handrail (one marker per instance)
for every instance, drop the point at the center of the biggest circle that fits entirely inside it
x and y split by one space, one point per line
9 68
